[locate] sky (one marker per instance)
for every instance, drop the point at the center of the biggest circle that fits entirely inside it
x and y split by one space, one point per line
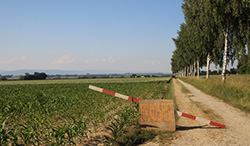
124 35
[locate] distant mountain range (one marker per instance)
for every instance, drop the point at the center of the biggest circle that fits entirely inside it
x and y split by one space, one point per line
64 72
55 72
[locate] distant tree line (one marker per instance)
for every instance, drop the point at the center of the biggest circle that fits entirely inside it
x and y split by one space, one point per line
215 31
35 76
3 78
218 72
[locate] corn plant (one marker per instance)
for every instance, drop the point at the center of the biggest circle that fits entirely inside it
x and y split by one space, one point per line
4 134
118 126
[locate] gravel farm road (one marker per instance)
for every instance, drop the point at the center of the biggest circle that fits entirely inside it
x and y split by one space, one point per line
197 103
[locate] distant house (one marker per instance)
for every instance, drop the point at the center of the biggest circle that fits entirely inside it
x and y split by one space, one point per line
133 76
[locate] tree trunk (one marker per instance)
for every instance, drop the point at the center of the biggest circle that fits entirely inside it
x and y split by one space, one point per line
248 47
198 68
186 71
194 69
208 64
190 70
223 74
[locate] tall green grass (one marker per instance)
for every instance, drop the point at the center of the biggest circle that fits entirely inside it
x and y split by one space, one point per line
236 90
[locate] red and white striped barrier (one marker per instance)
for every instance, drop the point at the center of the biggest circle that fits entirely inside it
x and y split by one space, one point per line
205 121
113 94
137 101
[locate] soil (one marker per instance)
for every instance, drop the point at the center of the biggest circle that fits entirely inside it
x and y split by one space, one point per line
163 93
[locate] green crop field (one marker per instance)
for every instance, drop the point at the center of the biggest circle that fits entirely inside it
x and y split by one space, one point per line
79 81
63 112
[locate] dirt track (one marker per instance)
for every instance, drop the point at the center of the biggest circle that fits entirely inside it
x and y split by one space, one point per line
190 132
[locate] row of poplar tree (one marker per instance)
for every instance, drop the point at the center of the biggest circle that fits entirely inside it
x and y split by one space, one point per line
215 31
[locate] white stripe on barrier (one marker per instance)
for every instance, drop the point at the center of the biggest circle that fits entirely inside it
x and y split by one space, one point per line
114 94
202 120
95 88
178 113
121 96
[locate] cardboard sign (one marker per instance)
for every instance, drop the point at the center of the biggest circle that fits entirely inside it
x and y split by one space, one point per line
157 114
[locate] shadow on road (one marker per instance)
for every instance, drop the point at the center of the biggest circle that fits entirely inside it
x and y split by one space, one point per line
183 128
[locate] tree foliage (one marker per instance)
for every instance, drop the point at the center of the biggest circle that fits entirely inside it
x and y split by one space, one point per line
35 76
216 31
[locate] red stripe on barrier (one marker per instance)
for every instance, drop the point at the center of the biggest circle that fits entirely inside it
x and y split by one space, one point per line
133 99
108 92
136 100
188 116
200 119
217 124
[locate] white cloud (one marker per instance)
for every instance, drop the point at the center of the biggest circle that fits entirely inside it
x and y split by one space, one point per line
66 59
13 60
107 60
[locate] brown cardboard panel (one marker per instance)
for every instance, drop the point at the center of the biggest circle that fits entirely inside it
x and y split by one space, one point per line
157 114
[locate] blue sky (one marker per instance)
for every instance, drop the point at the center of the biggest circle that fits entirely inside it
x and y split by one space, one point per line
126 35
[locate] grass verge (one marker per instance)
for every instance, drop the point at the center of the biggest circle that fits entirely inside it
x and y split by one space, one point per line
170 93
236 91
